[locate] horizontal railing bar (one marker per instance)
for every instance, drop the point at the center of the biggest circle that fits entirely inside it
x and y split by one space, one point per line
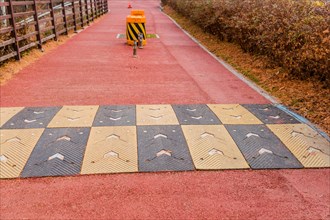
20 3
27 36
47 38
7 42
8 56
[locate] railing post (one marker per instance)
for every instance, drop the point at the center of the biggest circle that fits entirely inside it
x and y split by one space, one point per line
65 18
92 8
96 9
103 6
52 14
3 12
100 6
106 6
14 32
74 16
86 10
37 26
81 14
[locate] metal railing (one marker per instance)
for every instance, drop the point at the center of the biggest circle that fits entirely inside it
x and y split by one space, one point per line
26 24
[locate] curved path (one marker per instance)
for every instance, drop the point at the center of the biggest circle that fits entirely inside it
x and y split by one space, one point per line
96 68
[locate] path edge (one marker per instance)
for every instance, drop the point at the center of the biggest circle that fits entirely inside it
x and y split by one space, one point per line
251 84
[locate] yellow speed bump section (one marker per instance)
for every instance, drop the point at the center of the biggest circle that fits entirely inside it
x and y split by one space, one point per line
8 113
155 115
233 114
16 146
111 150
74 116
212 148
310 148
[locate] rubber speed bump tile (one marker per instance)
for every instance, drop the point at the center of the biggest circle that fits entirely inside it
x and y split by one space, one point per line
212 148
155 115
270 114
195 115
115 116
163 148
16 146
261 148
8 113
234 114
111 150
59 152
33 117
74 116
311 149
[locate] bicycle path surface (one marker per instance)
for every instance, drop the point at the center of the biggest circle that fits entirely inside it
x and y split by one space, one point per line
94 69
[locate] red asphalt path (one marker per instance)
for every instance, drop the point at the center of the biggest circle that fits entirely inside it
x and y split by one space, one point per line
282 194
96 68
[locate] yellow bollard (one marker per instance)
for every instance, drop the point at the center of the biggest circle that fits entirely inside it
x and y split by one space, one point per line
136 25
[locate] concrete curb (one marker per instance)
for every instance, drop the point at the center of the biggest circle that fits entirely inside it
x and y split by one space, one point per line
229 67
303 120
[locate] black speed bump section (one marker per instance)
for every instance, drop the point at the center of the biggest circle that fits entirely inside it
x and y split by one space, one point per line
270 114
163 148
115 116
59 152
261 148
195 115
32 117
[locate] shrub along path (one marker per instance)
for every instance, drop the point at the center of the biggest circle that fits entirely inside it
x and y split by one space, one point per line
95 68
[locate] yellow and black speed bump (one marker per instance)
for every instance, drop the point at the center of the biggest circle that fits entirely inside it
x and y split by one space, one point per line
16 147
56 141
261 148
163 148
74 116
270 114
32 118
195 115
115 116
212 148
234 114
306 144
59 152
111 150
8 113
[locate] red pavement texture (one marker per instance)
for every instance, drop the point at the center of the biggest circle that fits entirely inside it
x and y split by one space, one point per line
281 194
96 68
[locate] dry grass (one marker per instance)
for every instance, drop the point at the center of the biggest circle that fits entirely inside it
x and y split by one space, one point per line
12 67
309 98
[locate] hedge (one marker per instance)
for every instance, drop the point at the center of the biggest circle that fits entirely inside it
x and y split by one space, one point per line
294 34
